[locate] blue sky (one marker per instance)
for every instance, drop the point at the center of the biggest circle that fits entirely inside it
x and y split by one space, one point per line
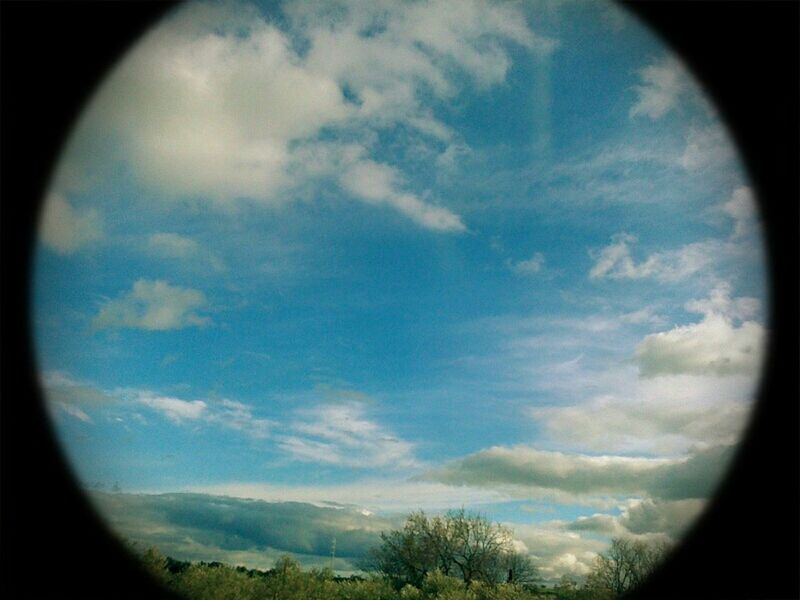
397 256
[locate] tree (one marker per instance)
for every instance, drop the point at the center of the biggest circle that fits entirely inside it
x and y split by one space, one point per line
626 565
458 544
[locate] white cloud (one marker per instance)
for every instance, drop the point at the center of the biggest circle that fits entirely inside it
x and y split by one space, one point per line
669 415
224 413
153 305
557 551
528 472
530 266
341 434
376 183
529 468
741 207
239 417
174 409
218 103
707 146
71 396
663 82
66 230
719 302
616 262
717 345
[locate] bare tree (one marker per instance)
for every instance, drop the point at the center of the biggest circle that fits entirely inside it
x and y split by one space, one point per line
458 544
626 565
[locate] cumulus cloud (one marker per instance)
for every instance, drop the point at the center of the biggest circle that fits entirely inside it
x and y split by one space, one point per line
531 471
153 305
219 103
725 342
557 551
342 434
65 229
662 83
616 262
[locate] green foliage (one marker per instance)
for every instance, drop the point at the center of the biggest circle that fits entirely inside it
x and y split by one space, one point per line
155 563
625 564
205 582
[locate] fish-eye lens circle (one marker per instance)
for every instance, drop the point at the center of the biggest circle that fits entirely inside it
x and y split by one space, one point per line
400 299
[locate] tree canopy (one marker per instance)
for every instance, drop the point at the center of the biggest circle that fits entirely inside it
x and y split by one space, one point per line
465 546
625 565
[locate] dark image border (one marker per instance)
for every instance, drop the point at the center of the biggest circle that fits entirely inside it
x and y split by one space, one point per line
55 53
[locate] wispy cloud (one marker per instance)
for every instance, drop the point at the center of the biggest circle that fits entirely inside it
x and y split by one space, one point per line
376 183
73 397
76 398
171 245
530 266
615 261
342 434
228 414
153 305
176 410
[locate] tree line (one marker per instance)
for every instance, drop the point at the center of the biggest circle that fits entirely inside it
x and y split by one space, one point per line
456 556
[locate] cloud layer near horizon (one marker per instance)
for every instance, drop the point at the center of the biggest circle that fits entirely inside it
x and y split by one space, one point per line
530 471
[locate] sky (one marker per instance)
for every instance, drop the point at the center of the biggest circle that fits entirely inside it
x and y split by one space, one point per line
304 268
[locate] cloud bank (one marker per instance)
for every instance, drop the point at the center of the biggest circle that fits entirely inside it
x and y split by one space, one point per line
530 471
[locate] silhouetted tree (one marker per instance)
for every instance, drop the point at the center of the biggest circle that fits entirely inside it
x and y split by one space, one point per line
461 545
625 565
